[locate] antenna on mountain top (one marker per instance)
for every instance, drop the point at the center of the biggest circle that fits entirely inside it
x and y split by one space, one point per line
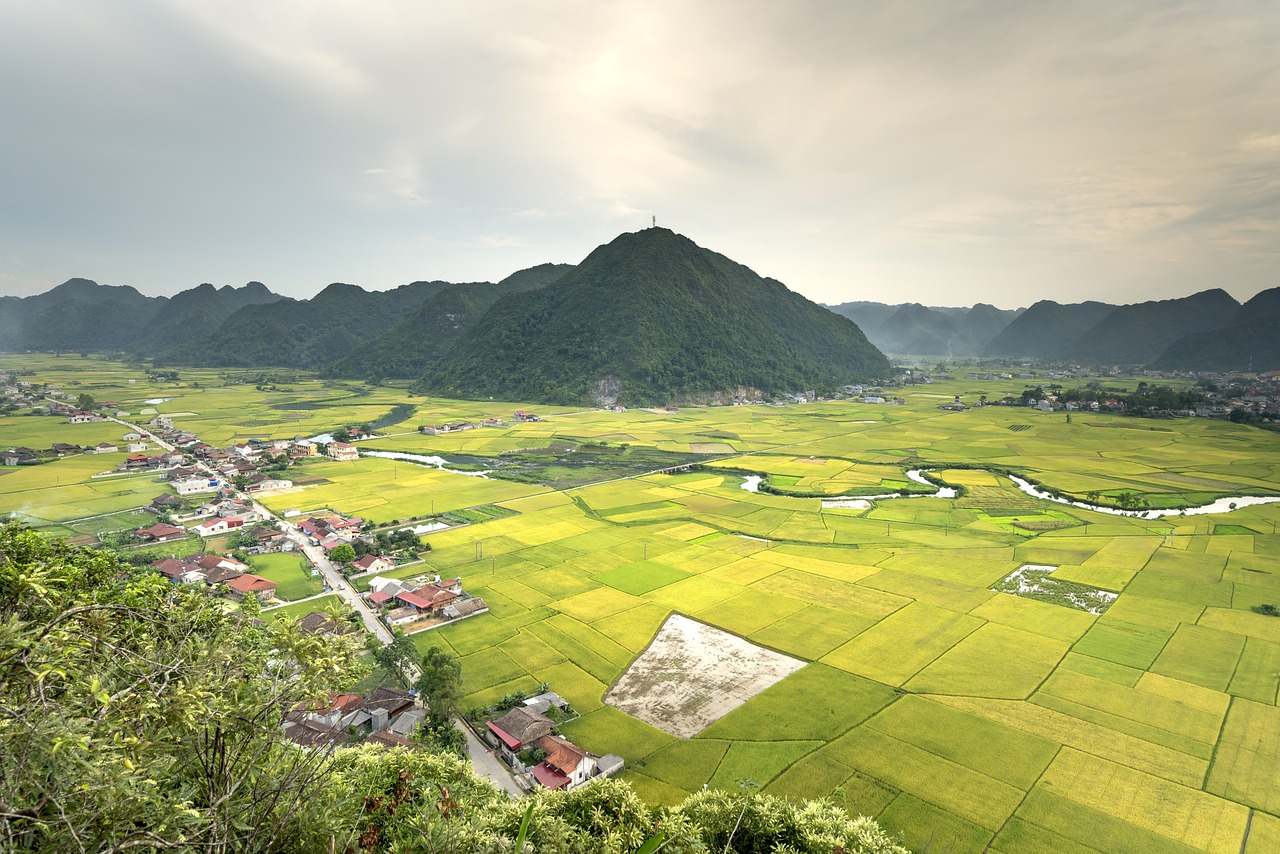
655 221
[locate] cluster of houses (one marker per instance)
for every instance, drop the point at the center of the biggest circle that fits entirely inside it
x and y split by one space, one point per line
525 733
385 716
402 602
213 570
331 531
460 426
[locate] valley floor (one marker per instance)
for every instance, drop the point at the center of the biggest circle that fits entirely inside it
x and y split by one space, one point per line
960 715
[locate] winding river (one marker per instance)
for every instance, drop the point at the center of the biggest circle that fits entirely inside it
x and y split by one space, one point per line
423 460
861 502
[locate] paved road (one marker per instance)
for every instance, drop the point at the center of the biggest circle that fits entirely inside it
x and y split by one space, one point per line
487 765
484 762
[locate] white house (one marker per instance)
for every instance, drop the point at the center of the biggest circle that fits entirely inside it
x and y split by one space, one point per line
217 526
196 485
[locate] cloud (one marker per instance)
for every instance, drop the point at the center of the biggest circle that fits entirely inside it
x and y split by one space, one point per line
934 151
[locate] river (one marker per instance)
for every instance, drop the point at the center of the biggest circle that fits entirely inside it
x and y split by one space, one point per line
861 502
423 460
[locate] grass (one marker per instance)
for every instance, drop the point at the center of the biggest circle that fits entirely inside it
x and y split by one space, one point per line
290 572
814 703
931 700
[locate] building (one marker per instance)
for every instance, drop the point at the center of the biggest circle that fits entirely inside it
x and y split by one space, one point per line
341 451
248 583
160 533
196 485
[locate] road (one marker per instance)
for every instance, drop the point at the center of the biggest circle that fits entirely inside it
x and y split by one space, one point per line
482 759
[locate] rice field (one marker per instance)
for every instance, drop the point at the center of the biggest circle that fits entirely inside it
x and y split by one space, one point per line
962 717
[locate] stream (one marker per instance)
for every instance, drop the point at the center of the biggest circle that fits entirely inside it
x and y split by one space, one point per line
423 460
862 502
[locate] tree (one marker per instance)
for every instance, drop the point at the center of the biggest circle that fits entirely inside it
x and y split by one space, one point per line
397 657
343 553
85 401
140 714
439 684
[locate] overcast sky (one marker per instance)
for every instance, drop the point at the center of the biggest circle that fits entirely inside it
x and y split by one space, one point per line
943 152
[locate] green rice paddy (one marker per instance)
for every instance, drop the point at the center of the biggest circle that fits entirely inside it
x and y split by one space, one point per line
963 717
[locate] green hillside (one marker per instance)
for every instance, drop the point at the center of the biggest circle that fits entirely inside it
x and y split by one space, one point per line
1136 334
649 318
1250 341
420 339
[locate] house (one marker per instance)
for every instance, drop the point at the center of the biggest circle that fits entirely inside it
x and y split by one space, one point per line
164 422
106 448
210 562
320 623
217 526
136 447
263 483
464 608
80 416
179 571
248 583
220 575
196 485
133 436
341 451
164 503
18 457
373 563
566 765
518 729
160 533
521 415
62 449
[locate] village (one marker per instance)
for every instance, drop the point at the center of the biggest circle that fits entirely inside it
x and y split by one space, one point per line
208 502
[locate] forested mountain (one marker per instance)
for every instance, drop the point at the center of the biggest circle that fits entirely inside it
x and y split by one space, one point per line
1045 329
1251 340
649 318
195 311
1136 334
79 314
301 333
420 339
911 328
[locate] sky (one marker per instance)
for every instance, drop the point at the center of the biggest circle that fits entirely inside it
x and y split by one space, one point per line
937 151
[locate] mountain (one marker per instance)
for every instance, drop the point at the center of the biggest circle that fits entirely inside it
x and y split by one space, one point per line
78 314
1249 341
928 330
199 309
1136 334
868 315
420 339
649 318
1044 329
301 333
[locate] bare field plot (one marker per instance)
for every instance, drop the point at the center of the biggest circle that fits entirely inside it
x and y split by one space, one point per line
692 675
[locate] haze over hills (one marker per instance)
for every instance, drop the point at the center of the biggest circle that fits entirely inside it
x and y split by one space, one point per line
1040 331
637 325
81 314
651 317
911 328
1249 341
1136 334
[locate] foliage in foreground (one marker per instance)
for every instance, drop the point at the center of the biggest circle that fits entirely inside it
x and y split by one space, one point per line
136 714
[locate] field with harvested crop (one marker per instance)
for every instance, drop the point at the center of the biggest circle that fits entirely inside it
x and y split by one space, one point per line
1125 698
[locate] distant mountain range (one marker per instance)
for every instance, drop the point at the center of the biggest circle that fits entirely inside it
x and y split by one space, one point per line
648 317
914 329
1205 331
